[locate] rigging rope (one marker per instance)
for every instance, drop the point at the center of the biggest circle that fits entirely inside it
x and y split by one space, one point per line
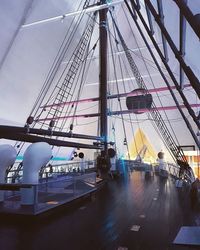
65 87
84 75
120 64
178 153
117 85
71 107
56 63
150 76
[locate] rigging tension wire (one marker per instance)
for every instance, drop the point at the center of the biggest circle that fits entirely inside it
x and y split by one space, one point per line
120 64
65 86
150 77
120 105
84 75
177 152
190 110
56 64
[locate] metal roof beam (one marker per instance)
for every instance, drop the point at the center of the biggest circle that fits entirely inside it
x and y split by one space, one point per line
182 43
138 4
149 19
188 71
161 15
189 16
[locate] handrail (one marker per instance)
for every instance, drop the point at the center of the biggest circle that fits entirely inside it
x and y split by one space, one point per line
15 187
18 186
187 175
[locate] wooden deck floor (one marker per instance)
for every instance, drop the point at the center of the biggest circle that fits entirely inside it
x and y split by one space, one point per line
104 223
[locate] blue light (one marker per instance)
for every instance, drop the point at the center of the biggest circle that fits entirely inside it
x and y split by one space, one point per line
20 157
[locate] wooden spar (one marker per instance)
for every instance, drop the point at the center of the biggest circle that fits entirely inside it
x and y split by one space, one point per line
95 99
14 129
54 142
166 108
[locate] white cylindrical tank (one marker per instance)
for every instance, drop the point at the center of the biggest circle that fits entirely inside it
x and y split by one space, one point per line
8 155
36 156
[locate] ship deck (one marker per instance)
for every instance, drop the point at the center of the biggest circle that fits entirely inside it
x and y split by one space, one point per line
154 206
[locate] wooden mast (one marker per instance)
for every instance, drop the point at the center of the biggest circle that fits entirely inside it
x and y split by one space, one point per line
103 74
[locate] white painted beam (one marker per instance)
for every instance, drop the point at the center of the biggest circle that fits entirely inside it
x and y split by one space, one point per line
75 13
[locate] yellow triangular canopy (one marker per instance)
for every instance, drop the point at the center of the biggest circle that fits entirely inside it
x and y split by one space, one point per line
140 147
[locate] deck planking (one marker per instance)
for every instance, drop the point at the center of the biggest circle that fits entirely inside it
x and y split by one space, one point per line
105 222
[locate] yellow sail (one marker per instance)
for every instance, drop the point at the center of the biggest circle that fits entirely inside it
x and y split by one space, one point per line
141 148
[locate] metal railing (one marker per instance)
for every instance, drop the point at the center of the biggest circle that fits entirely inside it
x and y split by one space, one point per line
15 174
47 194
174 171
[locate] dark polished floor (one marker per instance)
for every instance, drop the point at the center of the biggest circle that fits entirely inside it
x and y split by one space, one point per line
105 222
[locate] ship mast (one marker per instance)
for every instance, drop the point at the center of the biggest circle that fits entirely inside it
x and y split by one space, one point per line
103 74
